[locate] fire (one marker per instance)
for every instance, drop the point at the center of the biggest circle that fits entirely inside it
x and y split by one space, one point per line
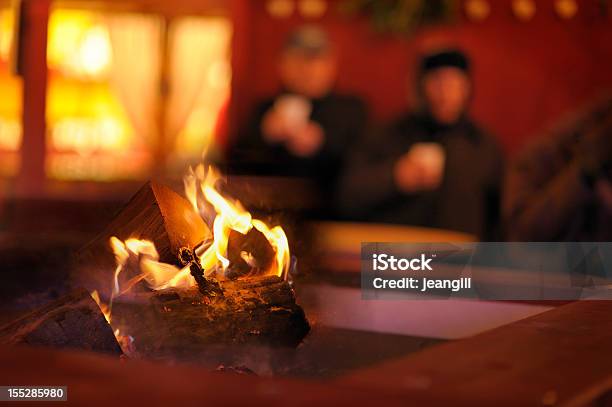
140 260
103 307
158 275
227 216
201 190
126 342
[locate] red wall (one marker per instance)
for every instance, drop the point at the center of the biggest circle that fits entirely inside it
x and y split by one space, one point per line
527 74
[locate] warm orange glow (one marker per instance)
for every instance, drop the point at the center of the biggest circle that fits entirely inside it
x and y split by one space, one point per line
7 21
10 102
102 123
90 134
10 134
201 190
230 216
140 259
103 307
79 44
94 57
86 120
211 72
278 240
125 341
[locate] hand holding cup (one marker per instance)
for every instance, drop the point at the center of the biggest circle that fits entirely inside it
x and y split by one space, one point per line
421 168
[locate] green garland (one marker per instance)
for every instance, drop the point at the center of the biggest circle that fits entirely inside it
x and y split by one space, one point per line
402 16
405 16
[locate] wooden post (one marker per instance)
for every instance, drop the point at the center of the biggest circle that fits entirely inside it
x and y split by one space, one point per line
163 147
241 12
33 68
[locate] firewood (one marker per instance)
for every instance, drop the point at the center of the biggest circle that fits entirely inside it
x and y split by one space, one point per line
247 308
248 254
73 321
155 213
253 310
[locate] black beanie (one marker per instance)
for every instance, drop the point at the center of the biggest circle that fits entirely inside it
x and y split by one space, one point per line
448 58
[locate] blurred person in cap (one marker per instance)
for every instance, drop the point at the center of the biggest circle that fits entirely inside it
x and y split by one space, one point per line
433 167
305 129
560 187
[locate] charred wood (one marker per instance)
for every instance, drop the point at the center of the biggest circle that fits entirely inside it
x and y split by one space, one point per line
73 321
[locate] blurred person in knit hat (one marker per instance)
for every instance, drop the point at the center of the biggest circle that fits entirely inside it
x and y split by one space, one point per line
431 167
306 128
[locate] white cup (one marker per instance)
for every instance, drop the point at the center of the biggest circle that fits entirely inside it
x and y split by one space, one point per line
430 156
295 110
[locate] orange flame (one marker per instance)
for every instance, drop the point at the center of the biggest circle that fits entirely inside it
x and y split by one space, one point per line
230 216
201 191
126 342
103 307
158 275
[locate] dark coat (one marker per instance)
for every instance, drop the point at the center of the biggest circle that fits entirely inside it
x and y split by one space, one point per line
343 119
468 198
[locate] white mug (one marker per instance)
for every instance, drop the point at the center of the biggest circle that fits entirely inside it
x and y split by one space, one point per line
295 110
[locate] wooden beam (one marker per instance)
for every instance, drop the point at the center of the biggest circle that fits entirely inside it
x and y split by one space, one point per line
163 148
32 56
93 380
241 14
162 7
559 357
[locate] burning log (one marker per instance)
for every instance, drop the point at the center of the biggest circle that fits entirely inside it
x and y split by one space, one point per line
253 310
157 214
248 254
73 321
198 283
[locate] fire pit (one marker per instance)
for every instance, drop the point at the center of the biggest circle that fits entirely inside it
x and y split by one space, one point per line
145 280
172 274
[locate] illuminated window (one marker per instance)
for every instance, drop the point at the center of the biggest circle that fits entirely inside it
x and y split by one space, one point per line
212 80
10 102
106 116
90 135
